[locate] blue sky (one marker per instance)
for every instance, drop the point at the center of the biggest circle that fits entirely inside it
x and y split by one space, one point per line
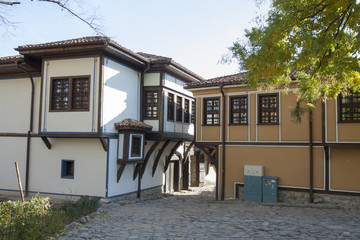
195 33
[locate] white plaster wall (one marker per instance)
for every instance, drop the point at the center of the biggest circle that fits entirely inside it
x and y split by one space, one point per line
152 79
45 165
154 124
12 149
78 122
127 184
15 103
89 170
121 94
176 84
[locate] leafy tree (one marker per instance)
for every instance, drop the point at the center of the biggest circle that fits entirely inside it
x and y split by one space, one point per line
316 42
90 20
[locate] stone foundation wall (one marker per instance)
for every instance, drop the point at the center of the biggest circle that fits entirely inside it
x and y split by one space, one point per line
319 198
152 193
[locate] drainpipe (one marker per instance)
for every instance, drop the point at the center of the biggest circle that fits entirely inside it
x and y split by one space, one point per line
311 197
223 144
30 128
142 91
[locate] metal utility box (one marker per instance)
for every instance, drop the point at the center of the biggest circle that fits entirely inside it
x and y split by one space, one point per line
270 189
253 183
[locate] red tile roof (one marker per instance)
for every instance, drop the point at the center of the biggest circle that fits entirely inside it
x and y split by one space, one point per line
11 59
155 59
105 41
84 41
132 124
235 79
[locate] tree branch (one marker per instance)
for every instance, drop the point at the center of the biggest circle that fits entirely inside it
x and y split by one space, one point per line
9 3
65 7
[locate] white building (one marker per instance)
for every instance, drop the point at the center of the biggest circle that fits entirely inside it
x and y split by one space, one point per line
88 117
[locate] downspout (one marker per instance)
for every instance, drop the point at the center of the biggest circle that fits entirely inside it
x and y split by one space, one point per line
311 195
223 145
142 91
30 128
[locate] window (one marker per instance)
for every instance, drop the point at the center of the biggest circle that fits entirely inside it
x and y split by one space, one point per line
239 110
211 111
171 105
151 104
70 94
192 112
268 109
136 143
349 108
187 111
67 169
179 109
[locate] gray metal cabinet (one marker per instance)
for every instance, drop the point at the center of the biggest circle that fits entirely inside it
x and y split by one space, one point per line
252 188
270 189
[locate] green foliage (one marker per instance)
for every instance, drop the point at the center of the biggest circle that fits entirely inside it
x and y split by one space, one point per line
34 219
84 206
316 42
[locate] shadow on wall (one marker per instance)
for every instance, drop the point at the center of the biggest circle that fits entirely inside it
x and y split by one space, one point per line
121 97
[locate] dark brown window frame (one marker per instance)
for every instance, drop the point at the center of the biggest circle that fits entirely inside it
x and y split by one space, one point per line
136 151
349 108
179 109
193 109
152 104
171 107
268 109
212 112
70 96
186 111
240 111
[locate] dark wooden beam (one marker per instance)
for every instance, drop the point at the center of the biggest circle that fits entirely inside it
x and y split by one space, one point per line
168 159
137 170
120 170
147 157
104 144
158 156
203 149
46 141
187 152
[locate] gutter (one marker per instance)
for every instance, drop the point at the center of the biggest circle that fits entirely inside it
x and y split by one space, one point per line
30 127
142 91
223 145
311 194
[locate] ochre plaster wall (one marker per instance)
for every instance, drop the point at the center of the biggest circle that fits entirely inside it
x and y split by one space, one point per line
290 164
344 169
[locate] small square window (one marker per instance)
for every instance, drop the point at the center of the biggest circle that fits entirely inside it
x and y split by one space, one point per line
136 144
67 169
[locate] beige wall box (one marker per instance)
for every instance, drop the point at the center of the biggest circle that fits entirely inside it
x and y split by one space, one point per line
253 170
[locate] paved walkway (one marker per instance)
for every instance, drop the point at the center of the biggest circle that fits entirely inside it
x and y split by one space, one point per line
196 215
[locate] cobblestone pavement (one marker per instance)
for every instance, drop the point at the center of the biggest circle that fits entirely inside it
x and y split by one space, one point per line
191 215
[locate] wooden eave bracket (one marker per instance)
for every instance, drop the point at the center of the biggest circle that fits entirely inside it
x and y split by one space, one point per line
168 159
158 156
104 143
46 141
147 157
120 170
210 155
185 160
137 170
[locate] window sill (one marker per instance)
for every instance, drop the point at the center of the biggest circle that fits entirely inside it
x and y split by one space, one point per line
238 124
268 124
65 177
209 125
348 122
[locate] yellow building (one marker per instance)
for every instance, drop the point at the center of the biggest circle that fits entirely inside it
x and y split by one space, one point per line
320 156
